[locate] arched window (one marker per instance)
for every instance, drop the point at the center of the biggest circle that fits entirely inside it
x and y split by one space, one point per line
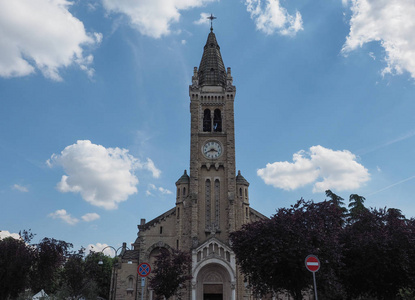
207 202
240 192
184 191
217 202
217 121
207 121
178 192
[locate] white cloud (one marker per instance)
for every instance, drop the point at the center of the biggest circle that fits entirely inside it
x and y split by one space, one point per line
89 217
271 17
149 165
152 17
64 216
42 35
148 193
98 247
326 168
20 188
103 176
203 19
152 187
392 24
164 191
5 234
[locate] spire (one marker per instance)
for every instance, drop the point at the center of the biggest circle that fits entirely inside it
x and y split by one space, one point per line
211 69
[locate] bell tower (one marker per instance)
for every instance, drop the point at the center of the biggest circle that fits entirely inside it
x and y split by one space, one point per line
212 146
211 200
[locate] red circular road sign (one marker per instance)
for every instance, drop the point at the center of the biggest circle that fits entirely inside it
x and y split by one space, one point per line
144 269
312 263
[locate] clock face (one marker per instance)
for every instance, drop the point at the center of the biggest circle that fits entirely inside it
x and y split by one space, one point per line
212 149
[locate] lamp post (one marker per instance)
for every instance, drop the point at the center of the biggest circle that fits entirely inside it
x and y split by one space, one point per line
113 287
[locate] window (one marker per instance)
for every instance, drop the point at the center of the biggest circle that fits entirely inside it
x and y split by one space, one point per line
207 121
207 202
184 191
217 121
161 229
217 202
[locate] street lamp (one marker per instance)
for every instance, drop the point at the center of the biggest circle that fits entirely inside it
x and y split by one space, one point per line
114 274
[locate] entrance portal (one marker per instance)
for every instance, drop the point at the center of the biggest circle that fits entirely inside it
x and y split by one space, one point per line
213 283
213 292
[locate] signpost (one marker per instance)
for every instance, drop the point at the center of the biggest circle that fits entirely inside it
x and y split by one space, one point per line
143 270
312 263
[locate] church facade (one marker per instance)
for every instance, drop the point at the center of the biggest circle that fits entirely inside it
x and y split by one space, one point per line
212 200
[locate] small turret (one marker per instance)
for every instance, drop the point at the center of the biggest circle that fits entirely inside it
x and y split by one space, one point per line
182 187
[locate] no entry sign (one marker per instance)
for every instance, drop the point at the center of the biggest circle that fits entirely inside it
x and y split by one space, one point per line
144 269
312 263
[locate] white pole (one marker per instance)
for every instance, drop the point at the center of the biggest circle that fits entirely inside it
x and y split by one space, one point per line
143 282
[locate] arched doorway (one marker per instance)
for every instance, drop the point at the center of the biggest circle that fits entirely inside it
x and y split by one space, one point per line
213 283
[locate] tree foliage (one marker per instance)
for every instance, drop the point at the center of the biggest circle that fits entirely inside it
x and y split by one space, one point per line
16 259
172 270
50 256
51 265
363 252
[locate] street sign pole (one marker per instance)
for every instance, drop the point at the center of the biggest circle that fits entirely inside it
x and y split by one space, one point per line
315 285
312 263
143 271
143 283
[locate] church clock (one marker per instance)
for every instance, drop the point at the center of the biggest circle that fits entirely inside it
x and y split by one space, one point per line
212 149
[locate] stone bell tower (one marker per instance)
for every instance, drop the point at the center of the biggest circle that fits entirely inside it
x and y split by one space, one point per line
211 201
217 201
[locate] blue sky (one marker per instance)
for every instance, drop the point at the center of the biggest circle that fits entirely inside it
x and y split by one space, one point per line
94 118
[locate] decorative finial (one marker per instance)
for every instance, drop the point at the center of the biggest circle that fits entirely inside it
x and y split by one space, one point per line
211 18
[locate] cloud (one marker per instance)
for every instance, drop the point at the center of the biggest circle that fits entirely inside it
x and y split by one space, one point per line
203 19
392 24
152 17
20 188
164 191
152 187
103 176
149 165
4 234
42 35
326 168
271 17
90 217
98 247
64 216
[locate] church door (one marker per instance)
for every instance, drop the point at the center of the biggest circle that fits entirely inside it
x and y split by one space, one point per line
213 292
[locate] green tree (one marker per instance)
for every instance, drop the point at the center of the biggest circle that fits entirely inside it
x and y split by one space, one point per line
100 273
356 206
76 278
172 270
16 258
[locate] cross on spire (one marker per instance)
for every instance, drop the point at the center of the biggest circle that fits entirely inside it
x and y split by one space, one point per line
211 18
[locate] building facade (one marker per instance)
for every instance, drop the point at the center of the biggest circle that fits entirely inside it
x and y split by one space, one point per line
211 201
